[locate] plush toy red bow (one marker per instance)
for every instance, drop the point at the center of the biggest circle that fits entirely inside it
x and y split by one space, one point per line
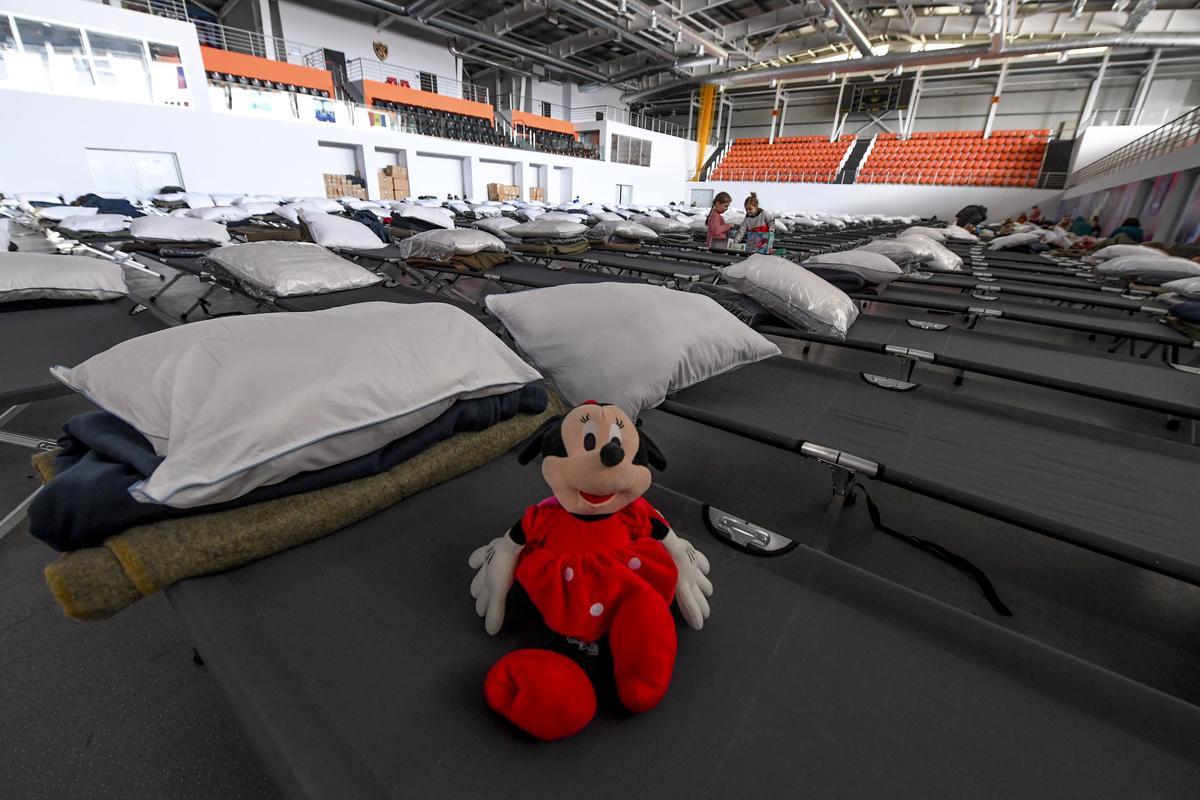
600 564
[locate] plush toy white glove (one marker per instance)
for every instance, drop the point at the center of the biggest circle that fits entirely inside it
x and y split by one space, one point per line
693 587
497 564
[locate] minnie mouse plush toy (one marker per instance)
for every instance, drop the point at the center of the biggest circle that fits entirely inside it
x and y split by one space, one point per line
601 565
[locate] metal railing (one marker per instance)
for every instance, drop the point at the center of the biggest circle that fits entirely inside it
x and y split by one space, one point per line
949 177
1181 132
360 69
237 40
511 101
1130 116
172 9
769 175
598 113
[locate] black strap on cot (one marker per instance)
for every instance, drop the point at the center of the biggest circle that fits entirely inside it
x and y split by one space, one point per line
942 554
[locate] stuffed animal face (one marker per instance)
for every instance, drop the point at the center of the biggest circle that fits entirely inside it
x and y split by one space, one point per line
595 459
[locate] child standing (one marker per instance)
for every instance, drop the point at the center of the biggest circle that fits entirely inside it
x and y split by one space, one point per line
757 226
718 228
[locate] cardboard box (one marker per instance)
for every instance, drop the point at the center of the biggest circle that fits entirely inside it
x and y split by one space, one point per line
536 193
386 193
395 171
400 187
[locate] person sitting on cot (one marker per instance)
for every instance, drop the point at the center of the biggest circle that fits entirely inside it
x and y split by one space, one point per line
718 228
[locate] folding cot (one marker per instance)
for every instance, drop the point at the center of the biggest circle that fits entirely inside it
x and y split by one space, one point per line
649 266
1120 494
1121 328
989 286
355 664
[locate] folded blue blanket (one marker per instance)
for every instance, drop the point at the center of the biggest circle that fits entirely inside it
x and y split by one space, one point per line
88 500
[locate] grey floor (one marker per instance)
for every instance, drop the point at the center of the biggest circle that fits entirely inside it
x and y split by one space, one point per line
119 709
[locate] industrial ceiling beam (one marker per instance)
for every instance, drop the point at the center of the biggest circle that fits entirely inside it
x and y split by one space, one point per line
960 55
849 27
584 40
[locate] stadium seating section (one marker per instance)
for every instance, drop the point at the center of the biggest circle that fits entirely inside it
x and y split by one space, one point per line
445 124
548 141
959 158
805 159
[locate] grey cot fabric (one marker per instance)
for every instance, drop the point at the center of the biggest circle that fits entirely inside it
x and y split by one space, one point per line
356 665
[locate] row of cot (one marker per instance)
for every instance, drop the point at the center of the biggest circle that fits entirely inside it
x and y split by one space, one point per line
757 407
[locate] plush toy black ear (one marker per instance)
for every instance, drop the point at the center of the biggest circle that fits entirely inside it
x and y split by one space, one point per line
547 440
648 452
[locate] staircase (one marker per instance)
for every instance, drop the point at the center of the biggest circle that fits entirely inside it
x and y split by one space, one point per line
1053 174
713 160
850 167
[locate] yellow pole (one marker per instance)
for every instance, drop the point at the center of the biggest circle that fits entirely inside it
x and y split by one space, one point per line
708 95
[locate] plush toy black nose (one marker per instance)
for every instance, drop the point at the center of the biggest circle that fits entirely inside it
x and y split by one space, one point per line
612 454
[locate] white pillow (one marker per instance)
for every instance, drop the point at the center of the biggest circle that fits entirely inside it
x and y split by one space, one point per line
291 211
604 231
937 234
326 204
440 217
1153 269
794 293
240 402
260 208
530 213
220 213
362 205
485 210
495 225
1118 250
1056 237
942 259
96 223
34 276
562 216
227 199
288 269
906 253
628 344
259 198
955 233
661 226
330 231
1013 240
874 268
178 229
543 228
444 245
26 199
59 213
1184 287
195 200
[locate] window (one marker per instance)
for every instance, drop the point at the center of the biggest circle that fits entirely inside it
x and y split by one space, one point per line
546 109
624 194
61 52
167 80
429 82
628 150
119 65
8 47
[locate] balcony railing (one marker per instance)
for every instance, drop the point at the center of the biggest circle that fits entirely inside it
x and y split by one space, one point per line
361 69
1181 132
171 9
237 40
625 117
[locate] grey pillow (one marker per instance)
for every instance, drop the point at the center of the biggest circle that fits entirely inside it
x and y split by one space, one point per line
288 269
46 276
627 344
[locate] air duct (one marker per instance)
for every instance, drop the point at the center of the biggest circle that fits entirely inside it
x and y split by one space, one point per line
471 34
963 55
650 69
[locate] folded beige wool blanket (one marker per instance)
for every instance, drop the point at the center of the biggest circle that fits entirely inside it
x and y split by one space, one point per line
97 582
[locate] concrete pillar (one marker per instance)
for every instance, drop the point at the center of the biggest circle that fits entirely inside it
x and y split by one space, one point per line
1089 104
1139 102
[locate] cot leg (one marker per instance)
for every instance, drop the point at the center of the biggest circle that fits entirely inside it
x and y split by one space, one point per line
201 301
167 285
15 517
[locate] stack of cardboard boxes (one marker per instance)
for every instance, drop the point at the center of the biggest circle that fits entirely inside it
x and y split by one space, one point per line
503 192
340 186
537 194
393 183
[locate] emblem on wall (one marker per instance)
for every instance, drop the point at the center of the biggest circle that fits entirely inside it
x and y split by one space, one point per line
381 50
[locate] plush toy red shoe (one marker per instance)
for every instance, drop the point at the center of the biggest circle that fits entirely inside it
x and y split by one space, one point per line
598 561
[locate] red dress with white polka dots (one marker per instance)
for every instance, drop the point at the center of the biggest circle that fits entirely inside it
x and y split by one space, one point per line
578 572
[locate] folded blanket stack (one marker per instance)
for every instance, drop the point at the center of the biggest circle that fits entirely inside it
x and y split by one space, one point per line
97 582
549 237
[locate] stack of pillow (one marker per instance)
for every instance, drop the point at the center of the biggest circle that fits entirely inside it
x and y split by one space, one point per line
549 237
619 234
669 231
464 249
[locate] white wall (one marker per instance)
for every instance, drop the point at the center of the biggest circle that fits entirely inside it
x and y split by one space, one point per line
351 30
1182 160
1098 141
944 201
